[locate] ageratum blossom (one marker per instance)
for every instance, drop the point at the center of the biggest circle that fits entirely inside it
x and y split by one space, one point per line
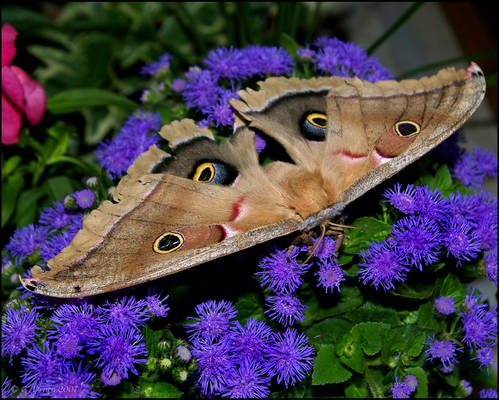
25 241
19 330
444 350
125 312
73 382
247 381
330 275
285 308
249 342
212 321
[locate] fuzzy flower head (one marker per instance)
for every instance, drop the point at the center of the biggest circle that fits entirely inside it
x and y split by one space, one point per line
127 312
280 274
330 275
202 91
325 247
401 390
227 63
74 383
485 357
26 240
58 216
445 305
40 366
268 60
479 325
55 244
444 350
213 319
84 198
490 261
118 350
249 342
418 239
156 67
382 265
411 381
116 155
465 388
290 357
71 319
7 388
461 241
247 381
68 345
157 305
488 393
472 168
403 200
285 308
19 330
429 202
216 364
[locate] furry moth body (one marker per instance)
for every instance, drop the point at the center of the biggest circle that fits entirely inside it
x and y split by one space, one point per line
343 136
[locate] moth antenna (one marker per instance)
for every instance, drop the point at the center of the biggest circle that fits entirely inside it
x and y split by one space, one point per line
351 226
323 231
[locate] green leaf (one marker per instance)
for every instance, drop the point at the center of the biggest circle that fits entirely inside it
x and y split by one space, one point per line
349 299
328 331
422 389
451 286
10 165
160 390
370 336
327 368
350 352
415 292
370 312
10 190
27 207
406 339
72 100
426 317
357 389
289 44
59 186
369 230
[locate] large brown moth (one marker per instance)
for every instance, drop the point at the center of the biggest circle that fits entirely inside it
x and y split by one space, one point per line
344 136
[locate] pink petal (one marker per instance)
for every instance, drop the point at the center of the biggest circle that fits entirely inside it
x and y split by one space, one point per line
8 49
11 122
12 87
34 95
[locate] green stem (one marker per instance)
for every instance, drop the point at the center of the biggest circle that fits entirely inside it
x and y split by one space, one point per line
397 24
375 390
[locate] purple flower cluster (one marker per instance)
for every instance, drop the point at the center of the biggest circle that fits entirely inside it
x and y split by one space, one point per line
479 328
239 361
335 57
116 155
154 68
403 389
78 333
445 350
209 90
461 225
472 168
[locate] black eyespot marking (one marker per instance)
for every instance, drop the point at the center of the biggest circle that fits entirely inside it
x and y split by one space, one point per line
314 126
168 242
406 128
216 172
77 289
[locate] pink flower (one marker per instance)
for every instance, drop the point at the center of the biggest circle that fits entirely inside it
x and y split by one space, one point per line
20 94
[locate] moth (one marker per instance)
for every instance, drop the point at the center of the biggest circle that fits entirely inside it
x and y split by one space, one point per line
206 200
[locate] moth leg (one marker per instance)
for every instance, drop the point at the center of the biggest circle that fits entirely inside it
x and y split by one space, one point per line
305 238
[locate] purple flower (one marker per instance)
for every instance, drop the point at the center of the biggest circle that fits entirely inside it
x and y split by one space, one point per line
382 264
305 53
74 382
460 208
444 350
248 381
486 160
429 202
71 319
411 381
127 312
178 85
280 274
401 390
112 380
484 356
490 261
157 305
485 219
212 321
268 60
488 393
251 341
326 247
58 216
216 364
18 330
418 239
228 63
479 325
290 357
7 388
402 200
461 241
202 91
445 305
260 143
183 353
68 345
118 349
155 67
55 244
330 275
465 387
84 198
40 366
118 154
26 241
285 308
221 112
